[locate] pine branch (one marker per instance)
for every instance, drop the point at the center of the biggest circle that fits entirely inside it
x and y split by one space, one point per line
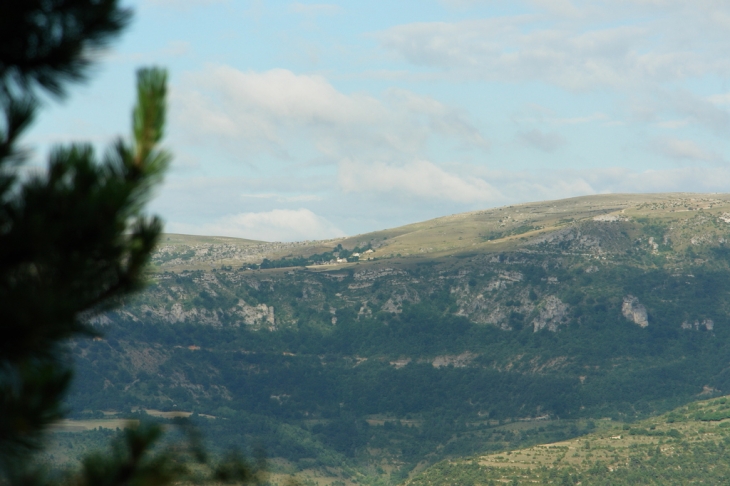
44 44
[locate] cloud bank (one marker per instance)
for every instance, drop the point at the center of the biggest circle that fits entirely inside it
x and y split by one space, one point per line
278 111
578 46
275 225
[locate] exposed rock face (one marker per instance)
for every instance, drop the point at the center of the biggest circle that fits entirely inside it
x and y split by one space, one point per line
392 305
258 317
635 311
609 218
177 313
485 305
654 246
571 236
364 311
461 361
395 303
400 363
553 313
708 324
377 273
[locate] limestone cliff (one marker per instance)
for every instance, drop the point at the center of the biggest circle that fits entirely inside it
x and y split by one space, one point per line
553 313
634 311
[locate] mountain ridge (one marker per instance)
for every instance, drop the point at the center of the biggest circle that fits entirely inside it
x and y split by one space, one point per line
487 230
569 310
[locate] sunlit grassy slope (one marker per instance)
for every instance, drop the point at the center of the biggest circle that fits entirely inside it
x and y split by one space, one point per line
690 445
490 230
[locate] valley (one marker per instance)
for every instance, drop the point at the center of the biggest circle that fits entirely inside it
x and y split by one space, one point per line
464 336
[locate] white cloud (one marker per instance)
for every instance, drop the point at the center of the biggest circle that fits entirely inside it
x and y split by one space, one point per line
176 48
544 185
281 198
500 49
438 117
577 120
276 225
673 124
378 196
684 150
277 111
701 111
544 141
419 179
564 8
677 108
569 44
683 179
719 99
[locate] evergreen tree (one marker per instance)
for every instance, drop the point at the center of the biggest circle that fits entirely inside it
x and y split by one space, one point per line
73 241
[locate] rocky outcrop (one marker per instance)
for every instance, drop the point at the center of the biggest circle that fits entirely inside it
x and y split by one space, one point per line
634 311
394 304
400 363
610 218
179 313
654 246
553 313
365 310
377 273
259 316
570 237
708 324
482 309
457 361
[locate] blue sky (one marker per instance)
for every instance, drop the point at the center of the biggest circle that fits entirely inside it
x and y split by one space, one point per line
297 120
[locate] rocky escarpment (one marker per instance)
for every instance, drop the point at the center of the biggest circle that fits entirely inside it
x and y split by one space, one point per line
634 311
556 272
707 324
259 316
552 313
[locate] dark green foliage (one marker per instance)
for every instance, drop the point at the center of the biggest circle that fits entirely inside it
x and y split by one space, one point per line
29 401
74 241
47 43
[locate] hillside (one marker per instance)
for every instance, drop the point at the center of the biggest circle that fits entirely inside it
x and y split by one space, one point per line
602 306
500 229
686 446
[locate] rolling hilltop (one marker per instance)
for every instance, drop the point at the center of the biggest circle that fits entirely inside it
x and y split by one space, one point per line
500 229
364 359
